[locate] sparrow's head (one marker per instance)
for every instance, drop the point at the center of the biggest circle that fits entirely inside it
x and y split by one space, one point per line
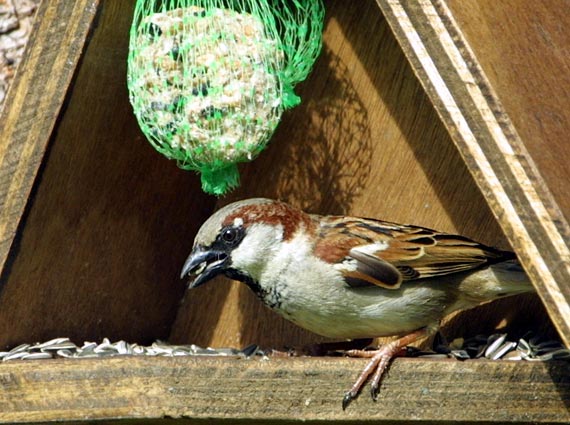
238 239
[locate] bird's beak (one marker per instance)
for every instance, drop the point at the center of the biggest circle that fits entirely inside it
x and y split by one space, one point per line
204 265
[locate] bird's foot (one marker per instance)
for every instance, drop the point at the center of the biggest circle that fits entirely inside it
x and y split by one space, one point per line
379 360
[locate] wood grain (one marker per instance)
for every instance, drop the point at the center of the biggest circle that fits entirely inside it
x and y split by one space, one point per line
309 389
365 141
34 102
488 142
524 50
110 221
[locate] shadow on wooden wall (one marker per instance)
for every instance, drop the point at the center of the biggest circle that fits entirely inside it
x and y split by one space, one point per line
365 140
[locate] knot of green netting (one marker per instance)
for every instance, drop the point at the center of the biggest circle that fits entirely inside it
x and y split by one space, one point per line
290 98
210 79
219 181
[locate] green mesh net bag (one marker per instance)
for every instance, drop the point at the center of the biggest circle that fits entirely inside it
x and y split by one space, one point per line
210 79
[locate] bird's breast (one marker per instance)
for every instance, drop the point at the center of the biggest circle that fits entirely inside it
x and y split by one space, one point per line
314 295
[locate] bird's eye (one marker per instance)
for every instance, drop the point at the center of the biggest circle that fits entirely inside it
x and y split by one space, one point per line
229 235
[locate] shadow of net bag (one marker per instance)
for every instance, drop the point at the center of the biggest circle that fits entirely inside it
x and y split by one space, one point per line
210 79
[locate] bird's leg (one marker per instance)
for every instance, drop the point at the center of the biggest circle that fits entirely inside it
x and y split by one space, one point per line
379 361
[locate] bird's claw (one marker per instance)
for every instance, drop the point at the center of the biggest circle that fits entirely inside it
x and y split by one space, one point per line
374 390
347 399
351 395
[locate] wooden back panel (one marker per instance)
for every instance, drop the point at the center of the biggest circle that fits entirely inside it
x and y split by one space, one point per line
365 141
111 221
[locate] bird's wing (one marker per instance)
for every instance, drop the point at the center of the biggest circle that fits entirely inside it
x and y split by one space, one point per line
374 252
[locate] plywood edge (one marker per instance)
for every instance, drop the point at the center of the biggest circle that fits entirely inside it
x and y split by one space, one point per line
307 389
490 146
34 101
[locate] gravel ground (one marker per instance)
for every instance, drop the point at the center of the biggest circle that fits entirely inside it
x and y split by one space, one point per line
16 18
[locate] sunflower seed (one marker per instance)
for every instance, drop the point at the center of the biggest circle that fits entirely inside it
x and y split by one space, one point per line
15 356
457 344
123 348
495 341
250 350
37 356
460 354
88 347
104 347
19 348
51 342
63 345
524 347
562 354
160 348
533 340
547 347
513 355
476 346
502 350
137 349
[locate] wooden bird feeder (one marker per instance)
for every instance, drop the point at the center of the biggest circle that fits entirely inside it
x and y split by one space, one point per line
448 114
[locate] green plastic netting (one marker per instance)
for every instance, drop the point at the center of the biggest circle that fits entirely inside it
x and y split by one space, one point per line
210 79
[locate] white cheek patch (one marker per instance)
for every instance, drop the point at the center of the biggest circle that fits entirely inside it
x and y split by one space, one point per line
256 248
372 248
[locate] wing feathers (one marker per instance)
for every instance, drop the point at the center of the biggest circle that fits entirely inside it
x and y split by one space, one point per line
380 272
387 254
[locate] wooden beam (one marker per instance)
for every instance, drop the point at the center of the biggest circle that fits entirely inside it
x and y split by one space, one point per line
224 389
490 146
31 109
307 389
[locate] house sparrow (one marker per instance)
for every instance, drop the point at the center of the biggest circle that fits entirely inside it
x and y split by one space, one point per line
348 277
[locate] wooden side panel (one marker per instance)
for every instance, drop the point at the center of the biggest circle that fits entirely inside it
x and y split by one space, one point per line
111 222
524 50
34 102
365 141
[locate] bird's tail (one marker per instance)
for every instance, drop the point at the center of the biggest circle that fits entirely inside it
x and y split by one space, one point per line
511 278
497 281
